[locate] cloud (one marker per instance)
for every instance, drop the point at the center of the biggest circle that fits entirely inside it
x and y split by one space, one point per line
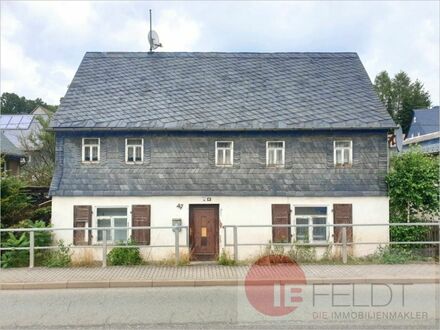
177 32
44 42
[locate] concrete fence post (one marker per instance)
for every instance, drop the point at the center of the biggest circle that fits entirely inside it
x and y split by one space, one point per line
104 248
235 244
187 240
176 245
344 244
31 248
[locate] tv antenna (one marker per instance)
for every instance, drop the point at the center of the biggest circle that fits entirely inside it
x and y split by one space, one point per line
153 37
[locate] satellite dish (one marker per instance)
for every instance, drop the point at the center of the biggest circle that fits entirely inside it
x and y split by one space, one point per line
399 138
153 39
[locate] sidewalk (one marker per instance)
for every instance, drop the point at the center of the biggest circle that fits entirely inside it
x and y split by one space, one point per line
205 275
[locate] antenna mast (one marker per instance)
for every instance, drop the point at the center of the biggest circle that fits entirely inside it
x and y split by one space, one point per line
150 34
153 38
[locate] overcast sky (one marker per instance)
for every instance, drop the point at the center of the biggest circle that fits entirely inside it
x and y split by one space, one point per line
42 43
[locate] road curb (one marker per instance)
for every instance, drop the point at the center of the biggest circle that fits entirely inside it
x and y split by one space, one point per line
195 283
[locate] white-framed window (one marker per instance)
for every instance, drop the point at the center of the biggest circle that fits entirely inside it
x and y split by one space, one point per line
275 151
224 153
112 217
311 215
90 150
343 152
134 150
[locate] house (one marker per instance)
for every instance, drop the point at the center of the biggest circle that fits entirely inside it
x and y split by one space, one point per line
215 139
18 128
424 130
12 157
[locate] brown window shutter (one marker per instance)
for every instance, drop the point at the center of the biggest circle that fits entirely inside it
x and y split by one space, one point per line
140 216
281 216
342 213
82 216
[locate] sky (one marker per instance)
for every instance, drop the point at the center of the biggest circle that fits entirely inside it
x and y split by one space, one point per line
43 42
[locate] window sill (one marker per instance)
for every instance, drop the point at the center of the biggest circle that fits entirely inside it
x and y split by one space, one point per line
89 162
344 166
313 244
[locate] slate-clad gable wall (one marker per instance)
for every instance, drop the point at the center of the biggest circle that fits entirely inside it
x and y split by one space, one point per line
184 164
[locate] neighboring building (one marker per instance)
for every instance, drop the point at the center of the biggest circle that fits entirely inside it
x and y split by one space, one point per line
12 157
18 128
214 139
425 130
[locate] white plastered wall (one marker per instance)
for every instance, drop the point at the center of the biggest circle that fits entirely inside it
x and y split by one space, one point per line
233 211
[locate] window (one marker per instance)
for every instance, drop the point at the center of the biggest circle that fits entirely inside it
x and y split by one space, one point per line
343 153
90 150
112 217
275 153
311 216
224 153
134 151
415 120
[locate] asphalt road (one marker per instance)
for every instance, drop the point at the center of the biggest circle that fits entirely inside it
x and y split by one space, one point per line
386 306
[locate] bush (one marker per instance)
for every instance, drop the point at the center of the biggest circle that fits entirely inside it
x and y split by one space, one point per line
43 213
124 256
20 258
60 257
393 255
15 205
302 253
409 234
225 259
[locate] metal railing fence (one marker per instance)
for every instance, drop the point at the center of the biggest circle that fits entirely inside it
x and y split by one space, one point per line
344 244
104 244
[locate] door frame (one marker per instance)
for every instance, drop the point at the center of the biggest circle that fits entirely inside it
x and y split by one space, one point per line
216 207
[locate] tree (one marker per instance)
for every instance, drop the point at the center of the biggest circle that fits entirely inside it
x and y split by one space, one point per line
14 203
40 169
13 104
413 184
401 96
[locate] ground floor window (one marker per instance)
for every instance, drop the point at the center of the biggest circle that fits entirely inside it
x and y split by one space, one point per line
311 216
112 217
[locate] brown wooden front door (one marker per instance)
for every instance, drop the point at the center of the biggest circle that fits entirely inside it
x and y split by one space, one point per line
281 216
204 231
342 214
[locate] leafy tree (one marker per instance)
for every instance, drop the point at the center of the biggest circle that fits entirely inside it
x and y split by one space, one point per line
414 192
13 104
413 184
40 169
401 96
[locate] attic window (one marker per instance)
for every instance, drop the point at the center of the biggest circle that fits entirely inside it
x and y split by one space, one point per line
343 153
224 153
90 150
134 151
414 118
275 153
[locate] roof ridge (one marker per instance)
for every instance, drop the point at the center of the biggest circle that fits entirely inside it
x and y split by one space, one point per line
223 54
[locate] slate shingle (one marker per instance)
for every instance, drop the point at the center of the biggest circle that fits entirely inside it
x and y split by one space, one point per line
221 91
184 164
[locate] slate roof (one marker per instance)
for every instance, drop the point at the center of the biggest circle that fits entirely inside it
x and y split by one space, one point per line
8 148
427 121
221 91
